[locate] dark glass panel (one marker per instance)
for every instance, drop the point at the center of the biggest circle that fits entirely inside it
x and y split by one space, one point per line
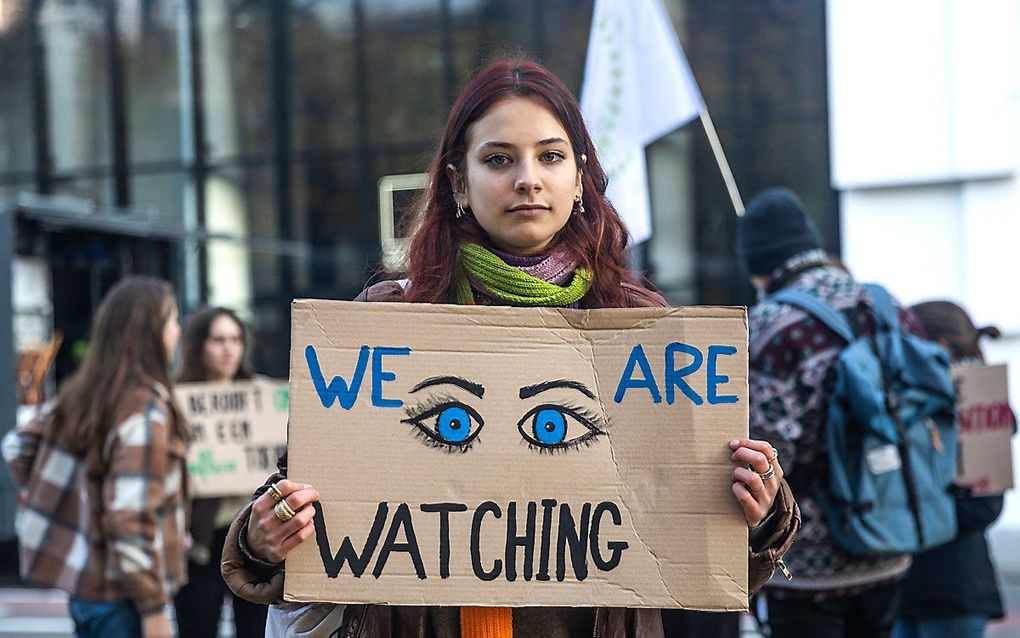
404 71
328 195
151 45
17 147
565 27
323 98
236 62
163 192
73 35
484 30
782 60
761 67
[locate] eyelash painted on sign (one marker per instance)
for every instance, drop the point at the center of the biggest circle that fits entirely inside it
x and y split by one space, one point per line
428 441
433 406
594 422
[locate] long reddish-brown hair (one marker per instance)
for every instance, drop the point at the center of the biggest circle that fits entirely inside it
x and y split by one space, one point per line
596 239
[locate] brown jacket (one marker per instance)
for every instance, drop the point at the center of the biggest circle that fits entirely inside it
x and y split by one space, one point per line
261 582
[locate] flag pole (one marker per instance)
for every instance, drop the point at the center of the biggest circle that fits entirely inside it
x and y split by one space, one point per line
720 159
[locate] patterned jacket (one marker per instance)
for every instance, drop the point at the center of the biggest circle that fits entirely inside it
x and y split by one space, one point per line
109 526
791 376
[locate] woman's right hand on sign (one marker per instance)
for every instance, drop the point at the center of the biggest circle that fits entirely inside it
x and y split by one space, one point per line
281 519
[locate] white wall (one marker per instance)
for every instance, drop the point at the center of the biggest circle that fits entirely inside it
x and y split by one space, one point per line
958 241
920 90
925 115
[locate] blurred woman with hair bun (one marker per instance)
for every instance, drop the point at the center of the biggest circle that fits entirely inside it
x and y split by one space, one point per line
951 590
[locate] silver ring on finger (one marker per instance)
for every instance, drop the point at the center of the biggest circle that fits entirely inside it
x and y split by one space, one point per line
767 474
775 455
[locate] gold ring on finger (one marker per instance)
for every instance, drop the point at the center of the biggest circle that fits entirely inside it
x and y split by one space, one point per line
283 511
287 508
275 493
767 474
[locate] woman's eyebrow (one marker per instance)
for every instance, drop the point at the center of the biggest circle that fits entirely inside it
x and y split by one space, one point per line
529 391
501 144
552 140
474 388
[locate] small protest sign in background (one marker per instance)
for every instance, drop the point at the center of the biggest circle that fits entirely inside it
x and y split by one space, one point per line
986 428
240 432
509 456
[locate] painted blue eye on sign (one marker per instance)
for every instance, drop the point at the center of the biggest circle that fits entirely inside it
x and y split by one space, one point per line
503 456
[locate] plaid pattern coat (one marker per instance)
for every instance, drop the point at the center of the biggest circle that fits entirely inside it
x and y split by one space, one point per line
110 526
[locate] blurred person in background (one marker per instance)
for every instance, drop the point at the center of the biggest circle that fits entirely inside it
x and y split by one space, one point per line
951 590
792 358
213 350
515 215
102 473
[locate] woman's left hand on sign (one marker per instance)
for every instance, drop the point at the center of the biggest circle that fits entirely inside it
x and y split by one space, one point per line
756 479
270 537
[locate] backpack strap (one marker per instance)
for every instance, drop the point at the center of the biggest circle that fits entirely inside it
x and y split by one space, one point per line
814 306
885 309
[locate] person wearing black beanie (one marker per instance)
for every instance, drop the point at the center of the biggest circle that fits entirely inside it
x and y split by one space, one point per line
774 228
834 593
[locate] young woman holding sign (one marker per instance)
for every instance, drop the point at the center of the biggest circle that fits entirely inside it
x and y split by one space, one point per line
102 474
515 214
213 349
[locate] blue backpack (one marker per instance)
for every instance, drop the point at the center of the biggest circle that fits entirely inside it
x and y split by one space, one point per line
891 434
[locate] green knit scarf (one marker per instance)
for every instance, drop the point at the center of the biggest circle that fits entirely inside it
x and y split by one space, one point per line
506 283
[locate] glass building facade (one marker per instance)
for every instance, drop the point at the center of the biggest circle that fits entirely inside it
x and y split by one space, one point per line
260 129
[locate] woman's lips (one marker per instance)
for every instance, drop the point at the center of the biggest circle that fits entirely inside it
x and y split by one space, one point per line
529 211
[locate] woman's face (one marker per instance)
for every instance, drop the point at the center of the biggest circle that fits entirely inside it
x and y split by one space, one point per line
171 332
519 176
223 349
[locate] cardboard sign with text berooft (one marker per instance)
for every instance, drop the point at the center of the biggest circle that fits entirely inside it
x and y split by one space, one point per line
240 431
986 428
508 456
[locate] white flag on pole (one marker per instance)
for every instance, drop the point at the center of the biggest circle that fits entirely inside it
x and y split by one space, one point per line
637 87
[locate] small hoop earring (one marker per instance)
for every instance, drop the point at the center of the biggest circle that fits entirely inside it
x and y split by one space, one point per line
578 206
460 211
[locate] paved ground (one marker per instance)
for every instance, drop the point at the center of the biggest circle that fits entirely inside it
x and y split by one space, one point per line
42 613
36 613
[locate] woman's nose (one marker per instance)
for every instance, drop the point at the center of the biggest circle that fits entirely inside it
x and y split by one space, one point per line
527 178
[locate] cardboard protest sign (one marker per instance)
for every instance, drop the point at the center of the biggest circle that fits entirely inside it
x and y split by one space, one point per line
240 431
506 456
986 428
